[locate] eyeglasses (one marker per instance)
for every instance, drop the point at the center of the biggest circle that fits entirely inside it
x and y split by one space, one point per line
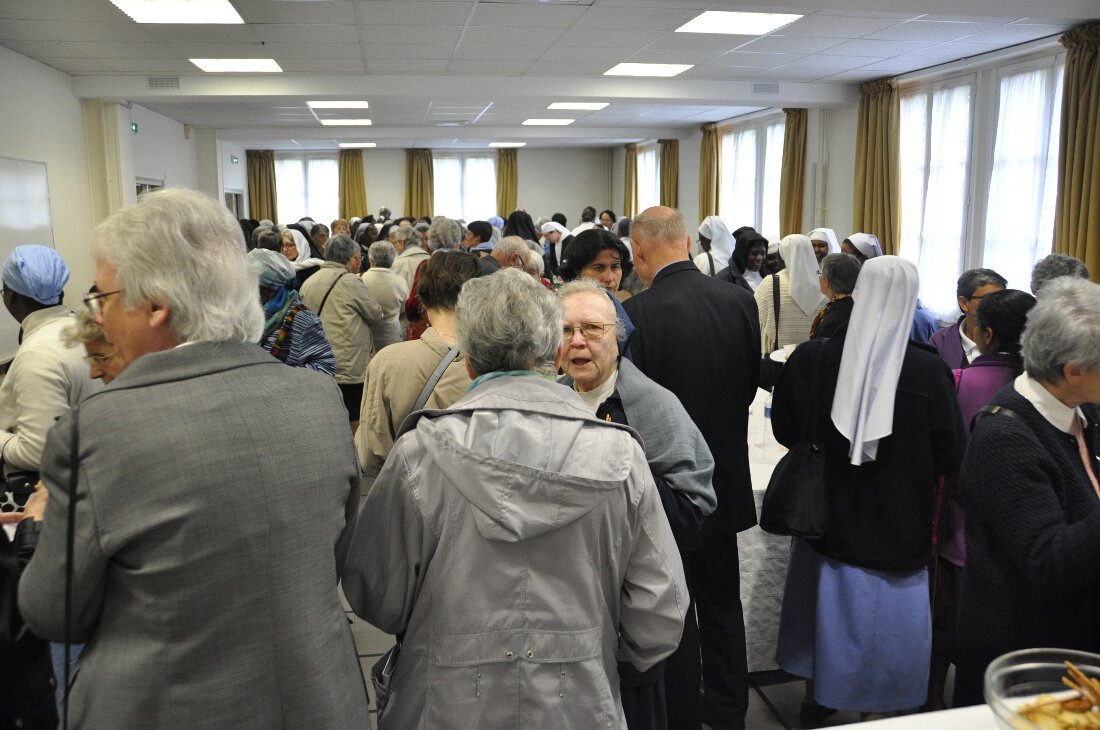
588 330
94 300
99 360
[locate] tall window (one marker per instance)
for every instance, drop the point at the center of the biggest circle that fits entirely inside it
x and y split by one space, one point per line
307 185
1019 222
751 163
465 186
649 177
935 165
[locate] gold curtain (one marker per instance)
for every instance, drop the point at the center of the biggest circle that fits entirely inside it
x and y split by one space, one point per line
507 181
630 181
261 185
1077 214
670 172
792 179
353 191
419 183
709 171
875 200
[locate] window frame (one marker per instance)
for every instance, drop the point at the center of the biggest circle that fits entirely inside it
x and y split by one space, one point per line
305 156
463 156
761 123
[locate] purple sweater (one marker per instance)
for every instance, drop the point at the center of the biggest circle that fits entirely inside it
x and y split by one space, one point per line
975 385
948 343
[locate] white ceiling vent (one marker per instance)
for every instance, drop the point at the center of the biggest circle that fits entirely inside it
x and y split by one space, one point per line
163 82
762 88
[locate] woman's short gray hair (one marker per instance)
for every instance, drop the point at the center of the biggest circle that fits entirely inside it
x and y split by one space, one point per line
1062 328
1054 266
184 249
340 249
381 254
508 321
584 285
83 331
533 264
444 233
841 271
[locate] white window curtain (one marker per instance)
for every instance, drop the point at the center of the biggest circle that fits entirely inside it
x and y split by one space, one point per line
751 165
737 184
307 186
1019 226
773 171
465 186
649 177
933 231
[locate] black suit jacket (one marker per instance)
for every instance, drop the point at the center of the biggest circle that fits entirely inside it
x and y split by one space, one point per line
700 338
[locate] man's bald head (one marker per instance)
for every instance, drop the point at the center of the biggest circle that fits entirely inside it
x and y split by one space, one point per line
660 237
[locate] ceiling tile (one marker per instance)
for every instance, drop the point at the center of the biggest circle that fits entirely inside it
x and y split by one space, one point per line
92 31
271 33
608 56
514 67
408 66
870 14
714 71
758 60
499 55
857 76
61 10
425 51
996 19
531 17
643 18
660 55
933 31
787 73
78 65
204 33
544 67
25 30
830 63
900 65
445 35
874 49
310 50
207 50
293 11
952 51
585 37
789 44
152 67
833 26
1007 35
322 66
423 14
118 50
484 36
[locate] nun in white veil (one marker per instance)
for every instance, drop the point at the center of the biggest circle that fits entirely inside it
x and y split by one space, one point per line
862 245
800 297
855 616
824 241
718 242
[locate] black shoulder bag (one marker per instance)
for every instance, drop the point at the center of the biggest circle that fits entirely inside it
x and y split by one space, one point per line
769 369
796 502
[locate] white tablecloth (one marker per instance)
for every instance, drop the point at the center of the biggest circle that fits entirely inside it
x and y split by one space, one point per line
763 557
979 717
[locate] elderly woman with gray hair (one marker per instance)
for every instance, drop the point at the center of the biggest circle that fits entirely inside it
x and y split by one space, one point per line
386 288
516 541
292 333
1029 487
678 456
837 279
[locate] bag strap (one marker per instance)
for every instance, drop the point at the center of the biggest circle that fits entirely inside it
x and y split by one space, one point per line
775 305
325 298
710 263
70 542
429 386
992 411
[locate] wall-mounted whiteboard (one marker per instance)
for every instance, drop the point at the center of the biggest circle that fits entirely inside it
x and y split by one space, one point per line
24 218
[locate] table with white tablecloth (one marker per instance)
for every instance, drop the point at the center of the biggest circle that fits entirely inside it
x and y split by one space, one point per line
763 557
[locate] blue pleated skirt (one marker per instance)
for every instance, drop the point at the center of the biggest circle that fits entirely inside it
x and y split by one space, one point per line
864 636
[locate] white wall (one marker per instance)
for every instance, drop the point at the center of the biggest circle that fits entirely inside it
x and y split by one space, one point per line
384 177
689 180
48 127
160 150
565 181
836 158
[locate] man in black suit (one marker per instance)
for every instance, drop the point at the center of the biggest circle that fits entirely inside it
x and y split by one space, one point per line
700 338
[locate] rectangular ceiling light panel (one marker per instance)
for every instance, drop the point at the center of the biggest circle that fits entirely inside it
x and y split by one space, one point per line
358 145
338 105
346 122
648 69
548 122
588 106
183 12
237 65
507 144
727 23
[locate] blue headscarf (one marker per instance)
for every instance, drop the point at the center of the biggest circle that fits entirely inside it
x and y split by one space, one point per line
37 272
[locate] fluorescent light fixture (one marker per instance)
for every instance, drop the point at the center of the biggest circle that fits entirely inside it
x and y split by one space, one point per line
237 65
188 12
721 21
507 144
346 122
357 145
548 122
337 105
588 106
648 69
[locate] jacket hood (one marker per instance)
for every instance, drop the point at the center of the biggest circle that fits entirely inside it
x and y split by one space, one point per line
526 456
